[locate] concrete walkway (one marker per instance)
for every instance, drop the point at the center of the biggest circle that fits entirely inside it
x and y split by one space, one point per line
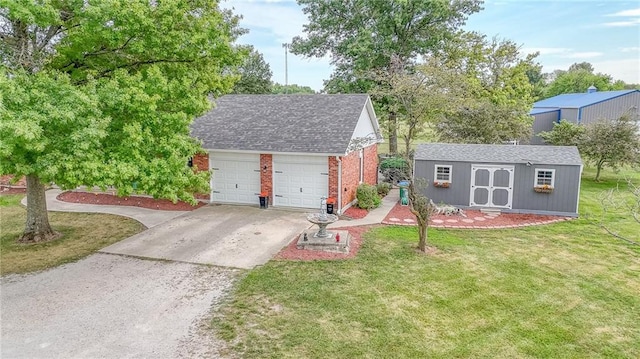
376 215
148 217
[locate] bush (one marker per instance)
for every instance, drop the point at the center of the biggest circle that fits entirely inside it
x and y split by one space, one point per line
383 188
395 169
367 196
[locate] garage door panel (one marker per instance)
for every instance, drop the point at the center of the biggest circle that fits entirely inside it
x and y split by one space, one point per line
235 177
300 181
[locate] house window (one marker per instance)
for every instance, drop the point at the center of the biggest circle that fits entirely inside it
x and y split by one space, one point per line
442 174
544 177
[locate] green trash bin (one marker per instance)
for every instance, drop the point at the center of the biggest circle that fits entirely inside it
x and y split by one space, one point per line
404 193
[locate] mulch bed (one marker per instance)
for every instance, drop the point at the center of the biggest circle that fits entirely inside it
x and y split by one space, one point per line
12 190
504 220
290 252
355 212
135 201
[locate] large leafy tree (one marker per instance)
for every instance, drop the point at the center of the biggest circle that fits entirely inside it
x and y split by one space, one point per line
279 89
365 35
102 92
255 74
488 90
579 78
606 142
612 143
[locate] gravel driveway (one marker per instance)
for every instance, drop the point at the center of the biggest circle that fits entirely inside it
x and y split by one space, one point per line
111 306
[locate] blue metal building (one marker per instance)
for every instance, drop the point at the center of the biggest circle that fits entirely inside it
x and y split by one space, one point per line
583 108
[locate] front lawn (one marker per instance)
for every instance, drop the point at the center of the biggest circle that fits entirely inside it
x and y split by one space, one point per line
566 290
83 234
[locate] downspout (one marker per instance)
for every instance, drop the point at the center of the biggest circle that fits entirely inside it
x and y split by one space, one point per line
339 184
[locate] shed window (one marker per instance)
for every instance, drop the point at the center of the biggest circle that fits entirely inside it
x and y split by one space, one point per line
545 177
442 174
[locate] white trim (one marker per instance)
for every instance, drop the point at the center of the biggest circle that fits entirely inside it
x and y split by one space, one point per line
276 153
490 187
435 173
579 185
538 170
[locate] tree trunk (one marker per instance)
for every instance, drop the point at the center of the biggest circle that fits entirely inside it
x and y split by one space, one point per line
422 234
393 133
598 168
37 227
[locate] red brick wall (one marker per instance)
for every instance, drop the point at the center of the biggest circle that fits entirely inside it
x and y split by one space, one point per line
371 164
350 176
266 175
351 172
201 163
333 177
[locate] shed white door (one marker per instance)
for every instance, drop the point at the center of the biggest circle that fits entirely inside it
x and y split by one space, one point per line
300 181
491 186
235 177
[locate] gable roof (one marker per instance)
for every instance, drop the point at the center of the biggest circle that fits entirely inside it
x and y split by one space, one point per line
578 100
315 124
454 152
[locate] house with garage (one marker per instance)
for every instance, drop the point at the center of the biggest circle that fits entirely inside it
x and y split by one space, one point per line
508 178
294 148
583 108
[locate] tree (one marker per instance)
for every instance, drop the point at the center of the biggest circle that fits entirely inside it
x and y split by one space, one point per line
423 209
255 74
278 89
611 143
366 35
103 92
564 133
488 90
579 78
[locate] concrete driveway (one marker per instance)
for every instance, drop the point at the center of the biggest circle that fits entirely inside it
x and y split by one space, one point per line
221 235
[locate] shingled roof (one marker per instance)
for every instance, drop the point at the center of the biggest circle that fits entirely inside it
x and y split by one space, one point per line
320 124
550 155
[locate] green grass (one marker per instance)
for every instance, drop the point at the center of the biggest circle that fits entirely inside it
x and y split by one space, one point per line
83 234
566 290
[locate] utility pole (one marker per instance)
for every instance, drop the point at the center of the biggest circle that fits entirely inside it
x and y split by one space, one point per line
286 68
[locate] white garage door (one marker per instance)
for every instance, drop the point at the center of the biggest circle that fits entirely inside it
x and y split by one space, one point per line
300 181
235 177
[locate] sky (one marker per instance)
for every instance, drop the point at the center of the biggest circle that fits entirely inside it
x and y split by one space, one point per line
605 33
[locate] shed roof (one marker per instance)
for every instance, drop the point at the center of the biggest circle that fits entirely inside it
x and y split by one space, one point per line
578 100
550 155
320 124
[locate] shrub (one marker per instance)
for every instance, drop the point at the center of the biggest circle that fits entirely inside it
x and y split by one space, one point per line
395 169
383 188
367 196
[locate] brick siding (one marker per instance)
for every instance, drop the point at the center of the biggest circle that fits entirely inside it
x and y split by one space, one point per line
351 172
266 175
201 163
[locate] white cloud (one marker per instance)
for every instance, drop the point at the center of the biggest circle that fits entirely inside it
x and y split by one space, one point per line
626 70
629 13
281 19
545 50
582 55
630 49
629 23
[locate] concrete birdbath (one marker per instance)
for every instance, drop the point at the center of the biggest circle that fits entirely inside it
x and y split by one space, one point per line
322 239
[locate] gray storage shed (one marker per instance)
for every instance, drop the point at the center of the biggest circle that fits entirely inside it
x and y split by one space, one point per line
516 179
